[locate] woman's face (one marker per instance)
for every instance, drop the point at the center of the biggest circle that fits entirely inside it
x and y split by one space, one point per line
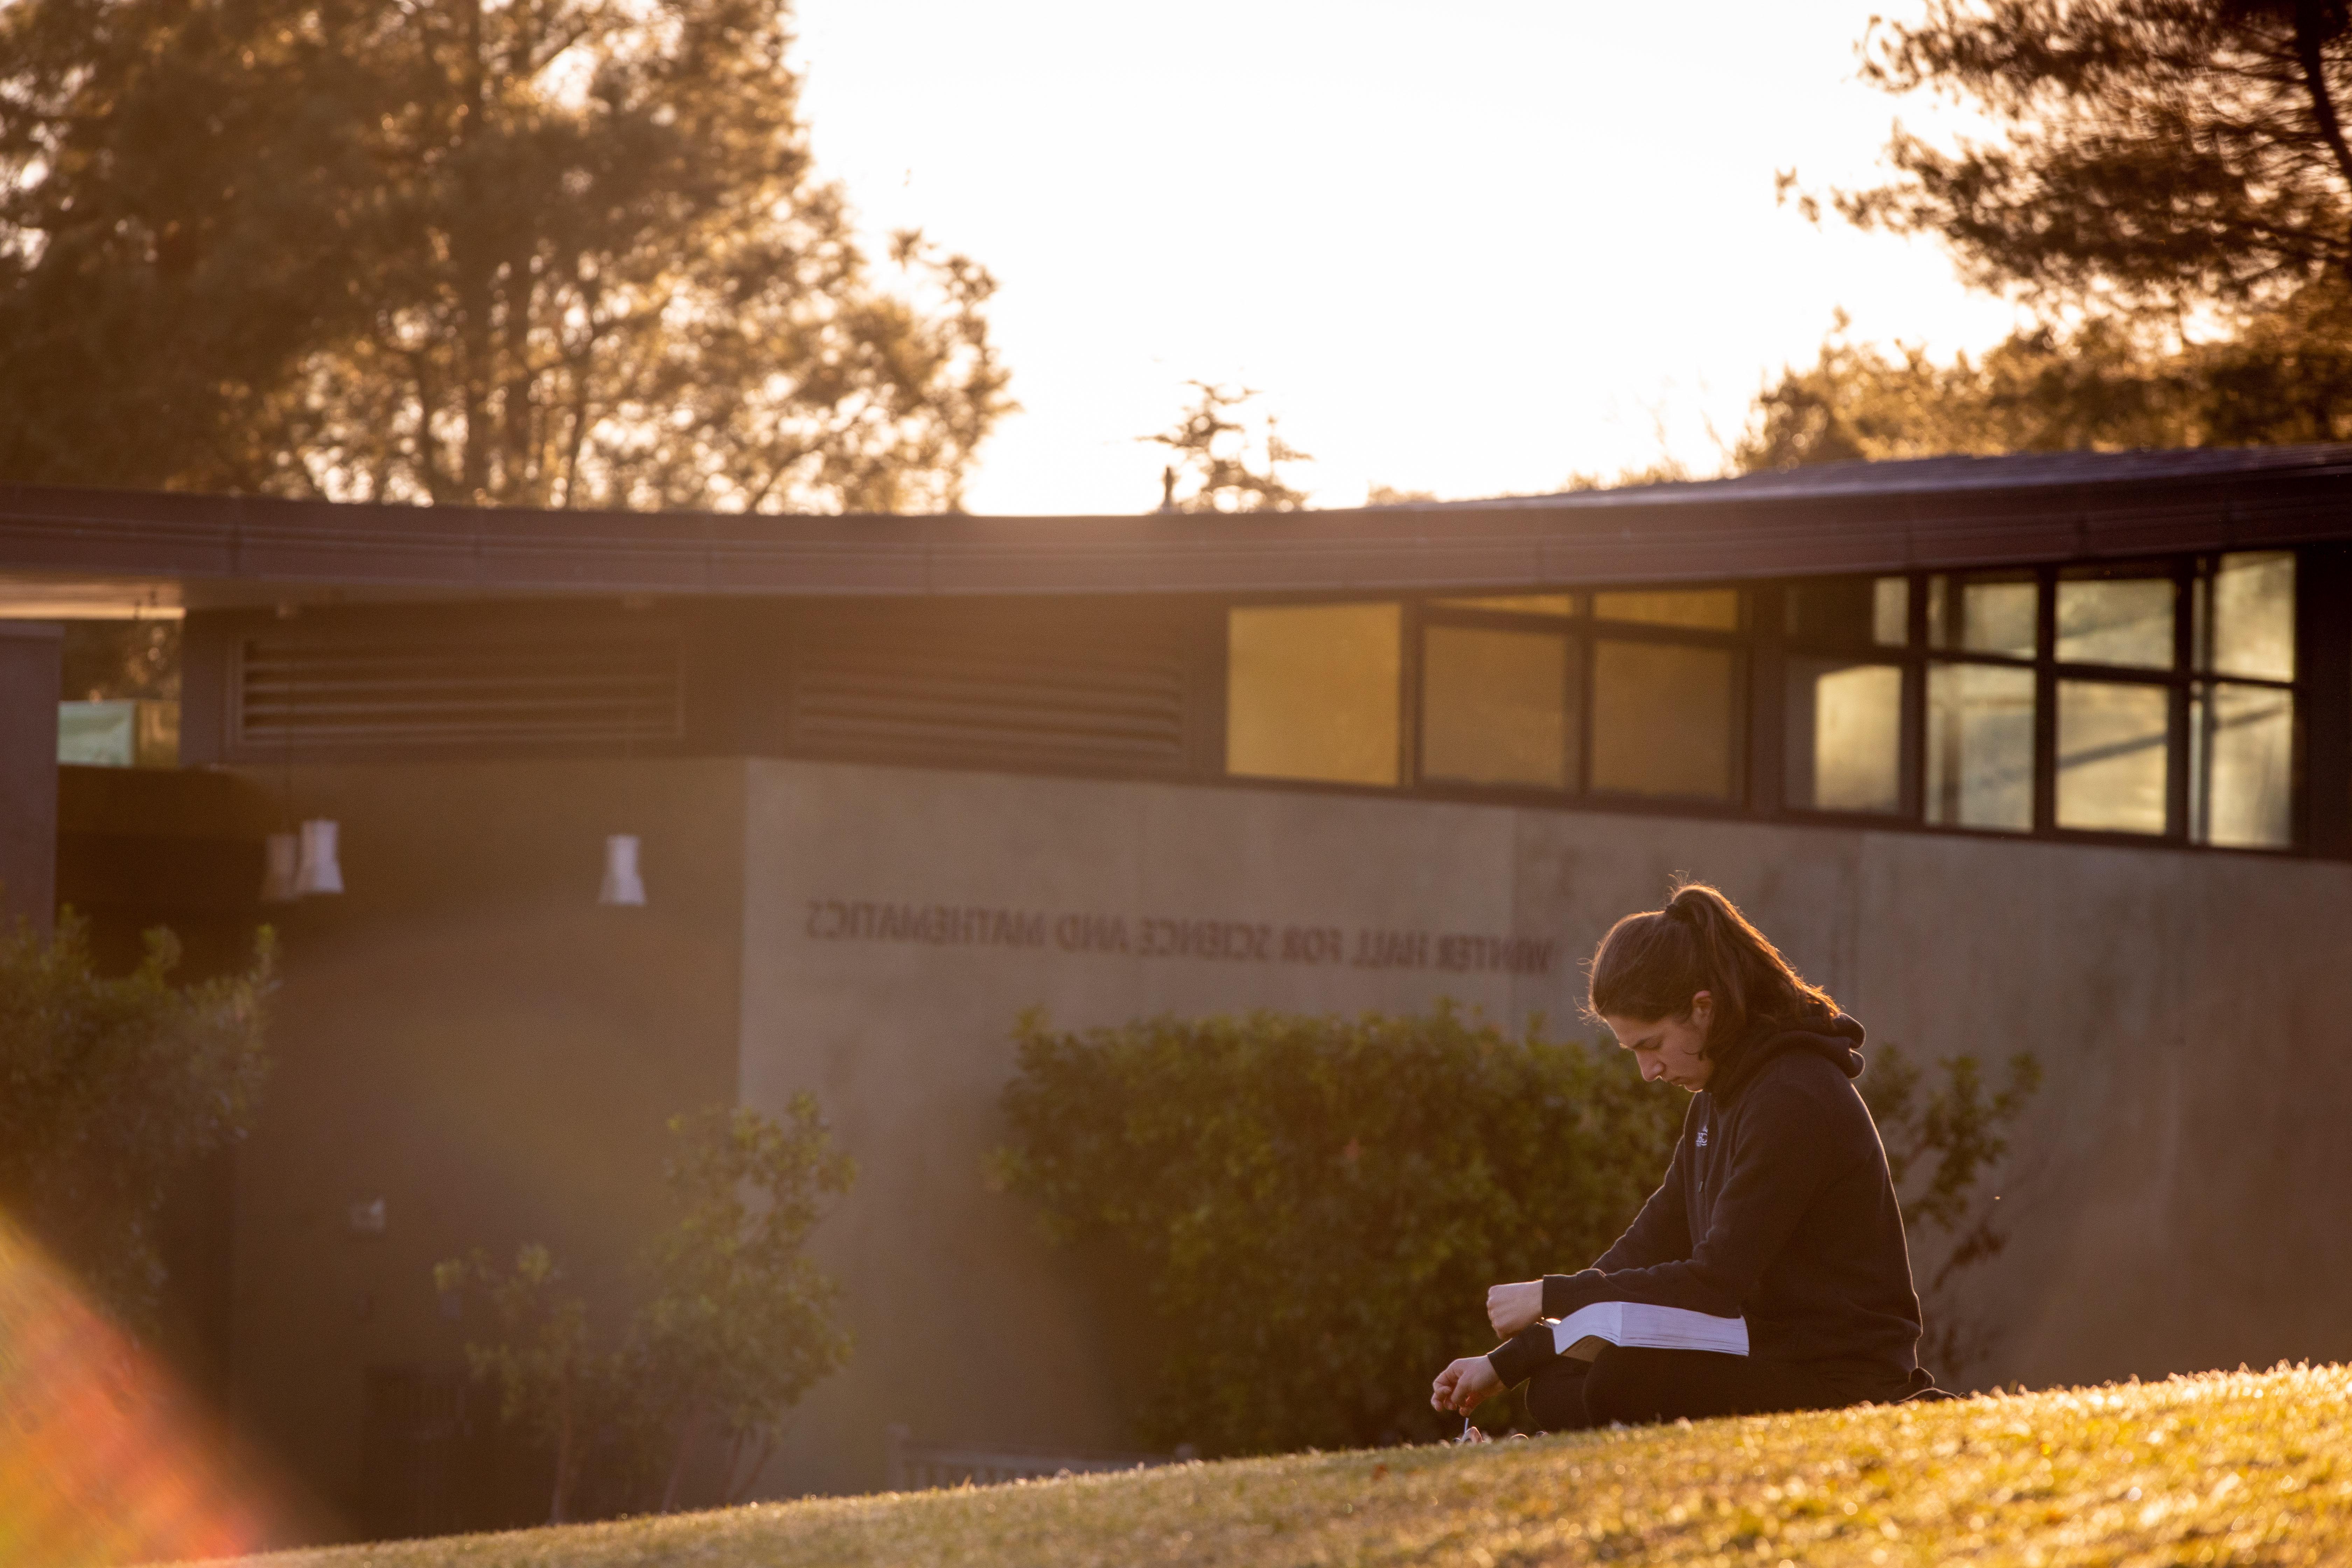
1670 1048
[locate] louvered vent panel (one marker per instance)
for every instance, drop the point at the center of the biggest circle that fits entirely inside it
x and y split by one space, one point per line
985 699
471 692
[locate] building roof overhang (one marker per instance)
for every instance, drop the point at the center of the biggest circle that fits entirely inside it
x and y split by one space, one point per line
64 547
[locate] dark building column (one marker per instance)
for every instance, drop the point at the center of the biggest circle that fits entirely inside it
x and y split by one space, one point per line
2322 664
30 679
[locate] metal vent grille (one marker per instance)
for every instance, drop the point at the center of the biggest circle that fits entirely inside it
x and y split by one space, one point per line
469 690
987 699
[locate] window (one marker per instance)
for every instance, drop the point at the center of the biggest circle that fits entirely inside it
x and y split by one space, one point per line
1662 719
2112 755
2242 731
1980 715
1524 691
2169 689
2156 701
2248 627
1981 746
2241 740
1517 603
1861 612
1705 609
1311 692
1845 735
2119 621
1842 720
1982 614
1495 706
2115 735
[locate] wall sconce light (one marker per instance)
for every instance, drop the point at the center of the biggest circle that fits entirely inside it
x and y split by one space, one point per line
319 872
623 885
281 862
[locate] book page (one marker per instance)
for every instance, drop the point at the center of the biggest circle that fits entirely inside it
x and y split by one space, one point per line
1583 1331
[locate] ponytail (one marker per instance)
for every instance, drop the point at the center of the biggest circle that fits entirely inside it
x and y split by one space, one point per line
1650 965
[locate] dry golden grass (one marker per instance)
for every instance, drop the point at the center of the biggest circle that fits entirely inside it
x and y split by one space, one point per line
2226 1467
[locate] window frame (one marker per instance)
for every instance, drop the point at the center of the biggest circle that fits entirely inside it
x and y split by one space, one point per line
1581 631
1908 656
2180 680
1763 644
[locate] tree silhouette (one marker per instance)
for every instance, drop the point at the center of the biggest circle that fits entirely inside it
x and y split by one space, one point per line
1215 451
553 253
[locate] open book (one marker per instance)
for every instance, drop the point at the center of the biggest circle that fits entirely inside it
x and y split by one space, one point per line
1582 1331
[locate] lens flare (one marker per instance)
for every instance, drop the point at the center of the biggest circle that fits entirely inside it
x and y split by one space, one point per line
102 1459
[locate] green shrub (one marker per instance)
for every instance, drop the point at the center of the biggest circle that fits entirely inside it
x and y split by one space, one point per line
1319 1203
1940 1144
734 1322
111 1089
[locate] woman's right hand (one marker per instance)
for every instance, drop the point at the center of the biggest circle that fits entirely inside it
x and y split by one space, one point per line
1511 1308
1465 1386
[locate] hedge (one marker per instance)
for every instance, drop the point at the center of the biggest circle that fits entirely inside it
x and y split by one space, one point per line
1319 1203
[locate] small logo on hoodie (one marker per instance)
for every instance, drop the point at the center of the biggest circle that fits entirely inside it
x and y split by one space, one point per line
1701 1137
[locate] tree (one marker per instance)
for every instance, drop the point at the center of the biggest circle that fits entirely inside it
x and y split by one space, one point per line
109 1089
548 1377
1215 451
2153 154
740 1323
568 253
2170 190
2101 386
2108 383
112 659
735 1322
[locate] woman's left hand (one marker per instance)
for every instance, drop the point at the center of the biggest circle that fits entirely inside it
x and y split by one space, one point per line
1465 1386
1511 1308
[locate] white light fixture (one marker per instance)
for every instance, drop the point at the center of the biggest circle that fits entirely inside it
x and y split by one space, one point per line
319 871
281 860
622 883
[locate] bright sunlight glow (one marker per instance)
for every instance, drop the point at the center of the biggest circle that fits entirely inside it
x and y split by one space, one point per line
103 1460
1467 248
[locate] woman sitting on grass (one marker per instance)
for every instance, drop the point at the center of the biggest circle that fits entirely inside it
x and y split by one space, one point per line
1778 1207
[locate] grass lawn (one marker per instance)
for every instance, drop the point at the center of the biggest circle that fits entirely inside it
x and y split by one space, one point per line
2227 1468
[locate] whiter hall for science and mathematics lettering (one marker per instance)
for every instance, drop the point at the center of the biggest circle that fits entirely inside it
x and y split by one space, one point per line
636 813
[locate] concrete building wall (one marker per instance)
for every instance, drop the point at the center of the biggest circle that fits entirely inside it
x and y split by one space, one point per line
466 1035
2176 1194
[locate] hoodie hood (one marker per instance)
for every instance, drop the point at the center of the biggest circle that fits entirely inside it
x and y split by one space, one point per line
1836 1040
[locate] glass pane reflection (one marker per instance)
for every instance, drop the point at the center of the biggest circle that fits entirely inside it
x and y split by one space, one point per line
1709 609
2113 745
1981 746
2254 615
1983 616
1845 749
1519 603
1890 611
2242 740
1494 707
1850 611
1311 692
1662 720
2126 621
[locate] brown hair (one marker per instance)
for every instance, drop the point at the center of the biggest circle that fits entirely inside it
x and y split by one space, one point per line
1650 965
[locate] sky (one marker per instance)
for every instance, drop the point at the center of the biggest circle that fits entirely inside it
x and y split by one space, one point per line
1469 249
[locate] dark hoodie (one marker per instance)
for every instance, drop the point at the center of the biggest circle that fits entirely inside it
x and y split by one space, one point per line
1778 1208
